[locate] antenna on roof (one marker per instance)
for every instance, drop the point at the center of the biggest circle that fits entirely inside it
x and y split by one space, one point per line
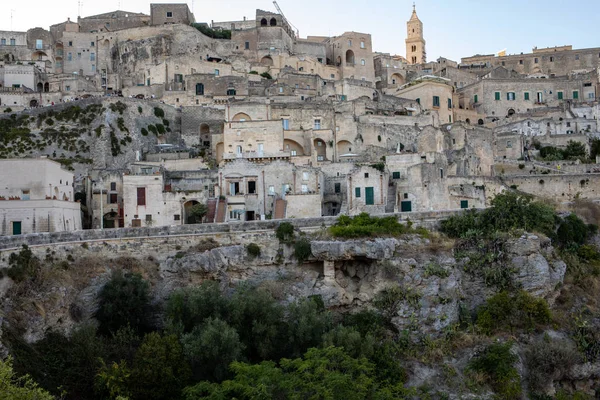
11 19
79 7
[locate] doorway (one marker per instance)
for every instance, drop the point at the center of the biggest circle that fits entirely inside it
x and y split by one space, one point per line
16 225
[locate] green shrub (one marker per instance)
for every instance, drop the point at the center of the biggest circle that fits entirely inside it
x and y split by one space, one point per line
389 301
160 129
307 322
521 166
144 132
434 269
572 231
253 72
124 300
23 265
266 75
159 113
364 225
13 387
152 129
140 110
284 232
548 361
302 250
7 110
119 107
213 33
496 363
520 311
508 212
49 122
253 250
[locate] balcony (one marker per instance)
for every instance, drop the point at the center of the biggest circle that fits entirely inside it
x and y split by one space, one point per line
256 155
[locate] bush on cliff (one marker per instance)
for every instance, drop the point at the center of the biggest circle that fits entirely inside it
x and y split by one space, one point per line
364 225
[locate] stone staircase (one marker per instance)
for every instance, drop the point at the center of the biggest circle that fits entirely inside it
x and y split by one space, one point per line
212 210
391 199
221 209
280 206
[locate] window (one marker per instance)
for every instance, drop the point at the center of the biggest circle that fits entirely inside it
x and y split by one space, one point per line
67 88
79 56
510 96
3 42
92 44
239 150
357 192
281 89
216 72
591 96
305 176
247 45
286 124
25 195
252 187
294 153
560 95
526 95
141 196
449 103
199 89
271 189
418 101
436 101
69 57
362 45
475 99
577 57
148 218
231 92
349 43
93 67
169 14
112 198
509 144
177 217
464 204
13 42
70 44
304 188
318 126
113 186
39 44
551 59
497 96
575 95
234 188
366 174
568 124
441 173
337 188
396 175
92 56
521 62
363 62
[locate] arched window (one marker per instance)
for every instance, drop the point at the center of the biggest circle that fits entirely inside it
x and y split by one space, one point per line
46 87
40 87
264 22
349 57
199 89
273 22
363 62
239 150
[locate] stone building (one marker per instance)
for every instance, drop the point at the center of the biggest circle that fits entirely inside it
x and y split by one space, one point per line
167 14
432 93
36 195
367 191
415 43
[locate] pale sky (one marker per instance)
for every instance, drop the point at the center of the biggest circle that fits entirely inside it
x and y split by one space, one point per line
453 28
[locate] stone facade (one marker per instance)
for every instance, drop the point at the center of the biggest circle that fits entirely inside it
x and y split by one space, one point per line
168 14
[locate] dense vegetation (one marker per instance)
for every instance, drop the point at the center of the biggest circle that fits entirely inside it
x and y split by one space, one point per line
364 225
573 151
213 33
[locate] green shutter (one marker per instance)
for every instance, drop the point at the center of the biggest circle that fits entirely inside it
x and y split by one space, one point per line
560 95
16 227
419 101
497 96
436 101
575 95
396 175
464 204
406 206
526 95
449 103
475 99
370 196
357 192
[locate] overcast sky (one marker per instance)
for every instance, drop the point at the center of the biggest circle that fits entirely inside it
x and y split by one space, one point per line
453 29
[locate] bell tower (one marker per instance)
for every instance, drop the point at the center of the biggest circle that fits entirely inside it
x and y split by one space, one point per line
415 44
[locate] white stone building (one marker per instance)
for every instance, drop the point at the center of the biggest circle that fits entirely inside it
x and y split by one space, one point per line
36 195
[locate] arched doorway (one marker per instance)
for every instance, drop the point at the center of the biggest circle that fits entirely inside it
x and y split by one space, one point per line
273 22
220 149
397 80
320 150
264 22
204 129
33 103
349 57
110 220
188 208
344 147
267 60
40 87
293 147
511 112
468 121
46 87
241 117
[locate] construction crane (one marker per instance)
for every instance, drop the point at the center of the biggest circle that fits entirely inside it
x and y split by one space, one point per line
285 19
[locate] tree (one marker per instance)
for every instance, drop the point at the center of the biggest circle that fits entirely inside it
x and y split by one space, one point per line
322 374
19 388
124 301
211 348
159 369
307 323
575 150
197 212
